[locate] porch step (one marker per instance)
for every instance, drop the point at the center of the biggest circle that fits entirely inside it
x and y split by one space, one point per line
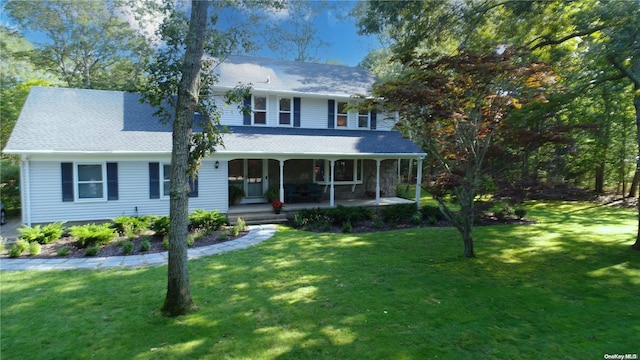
255 218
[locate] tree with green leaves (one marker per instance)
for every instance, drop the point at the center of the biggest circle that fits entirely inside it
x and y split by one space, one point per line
87 44
453 106
180 83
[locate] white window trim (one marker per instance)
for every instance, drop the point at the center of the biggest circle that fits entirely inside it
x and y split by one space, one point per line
266 110
368 121
76 182
290 124
335 119
327 173
162 194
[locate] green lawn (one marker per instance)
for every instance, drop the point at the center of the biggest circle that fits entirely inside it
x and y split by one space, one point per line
566 288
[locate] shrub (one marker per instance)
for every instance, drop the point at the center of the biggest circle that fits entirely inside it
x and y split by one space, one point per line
160 225
416 218
43 235
131 225
342 214
34 248
3 243
310 217
20 246
397 213
207 220
91 235
62 250
520 213
165 242
92 251
240 226
431 211
223 235
127 247
347 228
145 244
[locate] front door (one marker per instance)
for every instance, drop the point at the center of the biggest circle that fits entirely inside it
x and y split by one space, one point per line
251 176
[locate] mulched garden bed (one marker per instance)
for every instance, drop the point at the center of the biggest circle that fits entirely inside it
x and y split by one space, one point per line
114 248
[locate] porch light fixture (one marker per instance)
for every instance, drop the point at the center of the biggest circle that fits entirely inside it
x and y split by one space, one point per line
217 164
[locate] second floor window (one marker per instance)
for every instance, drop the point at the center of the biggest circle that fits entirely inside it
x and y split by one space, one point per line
284 111
363 120
341 114
260 110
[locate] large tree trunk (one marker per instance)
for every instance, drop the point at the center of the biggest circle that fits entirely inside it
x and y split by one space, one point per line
636 104
178 300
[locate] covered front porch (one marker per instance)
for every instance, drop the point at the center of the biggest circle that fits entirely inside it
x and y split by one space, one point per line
264 214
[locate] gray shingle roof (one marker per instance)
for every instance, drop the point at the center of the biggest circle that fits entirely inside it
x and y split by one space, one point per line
62 120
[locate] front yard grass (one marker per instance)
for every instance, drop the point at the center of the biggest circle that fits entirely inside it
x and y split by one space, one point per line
567 287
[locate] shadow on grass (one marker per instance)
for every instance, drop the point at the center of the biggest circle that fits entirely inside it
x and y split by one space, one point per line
556 289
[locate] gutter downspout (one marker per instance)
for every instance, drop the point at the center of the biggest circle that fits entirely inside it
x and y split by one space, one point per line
25 190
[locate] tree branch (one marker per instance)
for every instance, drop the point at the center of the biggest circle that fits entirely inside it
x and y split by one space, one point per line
624 70
548 41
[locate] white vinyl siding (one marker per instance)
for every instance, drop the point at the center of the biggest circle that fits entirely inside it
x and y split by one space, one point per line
133 181
313 113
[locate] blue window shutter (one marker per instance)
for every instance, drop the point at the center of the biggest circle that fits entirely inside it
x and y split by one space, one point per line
332 114
296 112
193 185
112 181
154 180
67 181
246 120
374 120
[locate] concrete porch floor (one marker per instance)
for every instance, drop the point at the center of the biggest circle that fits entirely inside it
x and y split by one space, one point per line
289 207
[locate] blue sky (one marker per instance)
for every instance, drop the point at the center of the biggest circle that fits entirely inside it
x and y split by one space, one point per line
345 45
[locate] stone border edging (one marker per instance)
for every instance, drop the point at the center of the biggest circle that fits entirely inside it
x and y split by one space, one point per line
256 234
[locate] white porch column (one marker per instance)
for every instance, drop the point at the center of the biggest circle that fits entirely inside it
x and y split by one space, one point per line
418 182
378 181
332 200
282 181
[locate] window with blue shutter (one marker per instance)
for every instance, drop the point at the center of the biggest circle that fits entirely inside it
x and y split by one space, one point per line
296 112
112 181
331 118
154 180
67 181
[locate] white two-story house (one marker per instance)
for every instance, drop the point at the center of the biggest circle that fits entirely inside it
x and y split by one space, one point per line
92 155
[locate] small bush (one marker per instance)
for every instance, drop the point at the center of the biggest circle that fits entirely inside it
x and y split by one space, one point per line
34 248
223 235
431 211
62 250
3 243
240 226
42 234
416 219
93 235
20 246
310 217
131 225
342 214
193 237
378 223
127 247
92 251
397 213
165 242
520 213
347 228
207 220
160 225
145 244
